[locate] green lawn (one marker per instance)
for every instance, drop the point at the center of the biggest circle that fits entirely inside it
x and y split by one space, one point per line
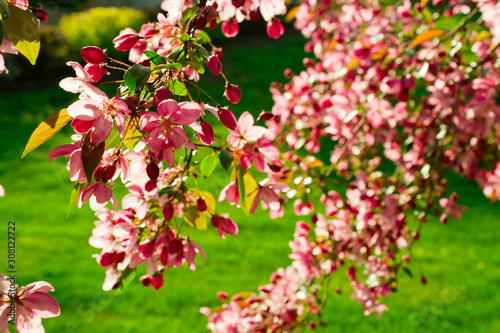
461 260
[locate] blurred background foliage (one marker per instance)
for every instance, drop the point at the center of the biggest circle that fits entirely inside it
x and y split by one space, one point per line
98 26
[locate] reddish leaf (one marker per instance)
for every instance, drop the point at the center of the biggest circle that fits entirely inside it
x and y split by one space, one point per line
91 155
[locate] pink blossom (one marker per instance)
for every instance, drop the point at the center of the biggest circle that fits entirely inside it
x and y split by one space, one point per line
31 305
163 132
224 225
99 195
245 131
267 193
126 40
261 154
6 47
98 113
230 193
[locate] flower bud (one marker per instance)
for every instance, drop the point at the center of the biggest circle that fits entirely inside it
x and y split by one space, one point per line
238 3
160 95
153 171
351 273
201 205
232 93
40 14
275 28
96 72
207 138
157 282
230 28
126 41
168 211
214 65
227 118
93 55
215 220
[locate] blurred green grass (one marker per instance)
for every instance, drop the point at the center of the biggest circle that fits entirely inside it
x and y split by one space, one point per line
461 261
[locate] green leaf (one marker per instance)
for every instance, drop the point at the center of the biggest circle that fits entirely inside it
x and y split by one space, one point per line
22 31
173 66
177 87
226 158
74 195
155 58
195 65
407 271
208 165
46 130
202 37
200 49
127 276
136 76
91 156
4 11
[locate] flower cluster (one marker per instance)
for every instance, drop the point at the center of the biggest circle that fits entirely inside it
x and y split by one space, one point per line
159 125
406 98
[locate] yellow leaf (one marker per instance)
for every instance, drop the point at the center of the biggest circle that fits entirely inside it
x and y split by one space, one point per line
332 44
481 36
194 218
22 31
313 162
46 130
428 35
251 187
423 3
354 61
291 14
132 136
200 222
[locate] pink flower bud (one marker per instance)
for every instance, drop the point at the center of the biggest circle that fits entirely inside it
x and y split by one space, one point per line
93 55
351 273
146 249
153 171
157 282
232 93
168 211
106 259
96 72
215 220
222 295
214 65
160 95
227 118
40 14
275 28
230 28
238 3
145 280
126 41
201 205
207 138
